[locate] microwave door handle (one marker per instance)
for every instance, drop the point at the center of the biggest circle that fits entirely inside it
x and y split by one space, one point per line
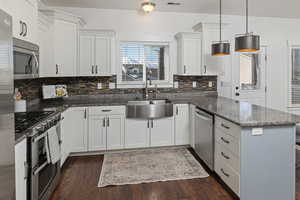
36 61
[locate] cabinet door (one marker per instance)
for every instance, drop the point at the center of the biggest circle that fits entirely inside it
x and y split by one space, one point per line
45 41
162 132
21 170
65 137
182 127
192 125
192 56
86 56
77 129
65 47
137 133
97 133
211 64
102 55
115 132
30 18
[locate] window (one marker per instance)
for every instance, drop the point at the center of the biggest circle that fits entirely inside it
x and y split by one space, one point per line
295 75
143 61
249 71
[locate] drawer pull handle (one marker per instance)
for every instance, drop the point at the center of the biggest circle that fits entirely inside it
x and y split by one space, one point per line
225 156
106 110
222 170
224 126
224 140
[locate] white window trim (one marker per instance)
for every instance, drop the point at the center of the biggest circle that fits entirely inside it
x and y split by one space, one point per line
289 89
140 84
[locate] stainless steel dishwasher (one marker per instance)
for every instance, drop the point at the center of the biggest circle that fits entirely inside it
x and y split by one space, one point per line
204 137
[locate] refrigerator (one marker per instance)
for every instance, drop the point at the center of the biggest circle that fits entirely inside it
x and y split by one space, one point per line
7 127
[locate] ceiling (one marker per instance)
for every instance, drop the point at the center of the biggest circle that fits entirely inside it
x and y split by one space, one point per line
264 8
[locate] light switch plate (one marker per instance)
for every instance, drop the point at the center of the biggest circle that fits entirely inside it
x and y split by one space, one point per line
176 84
257 131
194 84
210 84
112 85
99 86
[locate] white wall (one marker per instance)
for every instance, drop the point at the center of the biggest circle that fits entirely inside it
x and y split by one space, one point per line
162 26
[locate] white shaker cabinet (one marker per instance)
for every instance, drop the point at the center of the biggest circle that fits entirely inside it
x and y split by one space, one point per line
58 38
182 126
106 128
24 15
189 53
162 132
96 53
21 170
137 133
97 133
77 129
65 51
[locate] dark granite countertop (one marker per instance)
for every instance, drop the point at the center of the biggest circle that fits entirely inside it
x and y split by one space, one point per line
238 112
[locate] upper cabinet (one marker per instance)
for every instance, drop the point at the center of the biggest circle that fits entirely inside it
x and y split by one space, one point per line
25 16
189 53
58 36
96 52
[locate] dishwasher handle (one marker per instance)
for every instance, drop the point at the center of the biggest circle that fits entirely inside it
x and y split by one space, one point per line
203 115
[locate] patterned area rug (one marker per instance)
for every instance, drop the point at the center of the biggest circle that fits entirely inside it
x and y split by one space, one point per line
151 165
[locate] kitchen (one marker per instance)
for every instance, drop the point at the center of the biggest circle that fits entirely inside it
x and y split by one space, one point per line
129 101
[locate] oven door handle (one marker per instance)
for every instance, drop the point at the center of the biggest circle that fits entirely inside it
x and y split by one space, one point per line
36 171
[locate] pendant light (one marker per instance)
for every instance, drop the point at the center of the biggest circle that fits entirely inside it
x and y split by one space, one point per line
220 48
247 42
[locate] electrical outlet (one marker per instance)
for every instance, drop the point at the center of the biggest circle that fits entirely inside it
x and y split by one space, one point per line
210 84
257 131
112 85
99 86
194 84
176 84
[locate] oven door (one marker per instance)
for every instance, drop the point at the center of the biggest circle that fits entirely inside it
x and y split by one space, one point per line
44 174
26 63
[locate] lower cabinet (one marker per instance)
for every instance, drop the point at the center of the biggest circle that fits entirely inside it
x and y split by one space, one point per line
73 132
162 132
182 126
137 133
149 133
21 170
106 128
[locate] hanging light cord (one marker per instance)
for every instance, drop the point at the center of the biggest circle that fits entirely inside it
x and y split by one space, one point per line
247 16
220 20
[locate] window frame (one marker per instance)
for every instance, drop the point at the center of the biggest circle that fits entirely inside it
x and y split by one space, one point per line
142 83
249 87
290 76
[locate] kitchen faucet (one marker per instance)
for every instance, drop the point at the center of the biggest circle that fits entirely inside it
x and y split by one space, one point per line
150 83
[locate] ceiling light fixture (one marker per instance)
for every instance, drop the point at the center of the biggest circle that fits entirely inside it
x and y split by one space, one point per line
247 42
220 48
148 6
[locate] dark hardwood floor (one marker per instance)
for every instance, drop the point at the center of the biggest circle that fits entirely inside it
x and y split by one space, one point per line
81 174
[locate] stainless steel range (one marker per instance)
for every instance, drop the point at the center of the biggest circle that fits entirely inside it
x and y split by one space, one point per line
43 172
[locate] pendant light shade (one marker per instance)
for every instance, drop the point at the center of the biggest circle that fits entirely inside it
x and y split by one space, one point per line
247 42
220 48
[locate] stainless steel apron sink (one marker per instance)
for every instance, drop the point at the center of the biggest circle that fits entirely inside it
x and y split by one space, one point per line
149 109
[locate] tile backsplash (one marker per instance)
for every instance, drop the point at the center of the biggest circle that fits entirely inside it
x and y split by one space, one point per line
31 89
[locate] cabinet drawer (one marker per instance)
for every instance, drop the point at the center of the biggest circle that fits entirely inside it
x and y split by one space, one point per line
228 127
228 141
228 175
107 110
227 157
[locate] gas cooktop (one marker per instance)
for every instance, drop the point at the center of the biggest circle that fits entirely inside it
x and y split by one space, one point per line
26 120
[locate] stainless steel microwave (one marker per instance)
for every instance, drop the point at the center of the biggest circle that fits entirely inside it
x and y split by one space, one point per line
26 59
